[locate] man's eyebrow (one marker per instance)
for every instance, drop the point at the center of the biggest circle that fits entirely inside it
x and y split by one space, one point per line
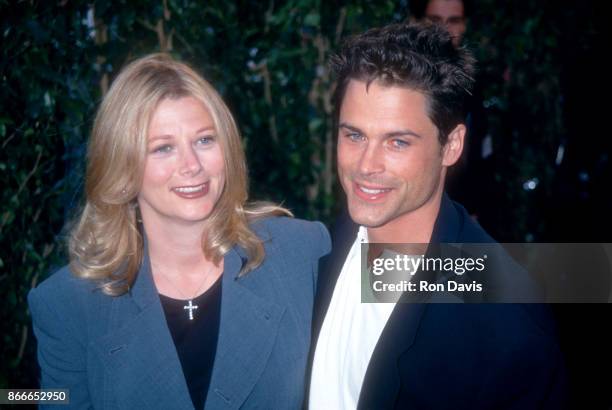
392 134
402 133
350 127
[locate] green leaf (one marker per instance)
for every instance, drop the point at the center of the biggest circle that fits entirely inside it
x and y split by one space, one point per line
312 19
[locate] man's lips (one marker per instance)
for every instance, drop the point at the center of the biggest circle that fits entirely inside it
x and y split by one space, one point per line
370 193
192 191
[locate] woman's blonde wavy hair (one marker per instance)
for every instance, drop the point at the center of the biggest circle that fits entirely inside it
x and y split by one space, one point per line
105 243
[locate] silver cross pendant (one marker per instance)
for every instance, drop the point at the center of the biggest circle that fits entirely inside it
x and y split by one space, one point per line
191 307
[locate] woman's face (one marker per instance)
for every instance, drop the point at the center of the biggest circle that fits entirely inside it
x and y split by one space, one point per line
184 170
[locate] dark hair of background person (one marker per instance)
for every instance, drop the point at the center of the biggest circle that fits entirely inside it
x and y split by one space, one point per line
418 56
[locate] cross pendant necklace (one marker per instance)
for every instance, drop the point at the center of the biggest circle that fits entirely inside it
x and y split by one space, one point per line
191 307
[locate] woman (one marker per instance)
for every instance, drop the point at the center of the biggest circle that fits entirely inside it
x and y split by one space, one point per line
179 294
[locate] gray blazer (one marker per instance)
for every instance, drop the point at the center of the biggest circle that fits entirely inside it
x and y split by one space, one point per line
117 352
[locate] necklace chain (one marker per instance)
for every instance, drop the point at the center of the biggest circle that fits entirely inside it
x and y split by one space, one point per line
189 306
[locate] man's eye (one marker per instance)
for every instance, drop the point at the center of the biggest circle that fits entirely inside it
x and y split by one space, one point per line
455 20
399 143
354 136
164 149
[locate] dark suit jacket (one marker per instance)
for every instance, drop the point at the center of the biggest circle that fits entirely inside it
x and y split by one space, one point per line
117 352
454 356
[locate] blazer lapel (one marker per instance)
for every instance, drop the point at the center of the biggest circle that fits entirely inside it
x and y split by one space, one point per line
249 324
382 379
329 270
140 359
449 223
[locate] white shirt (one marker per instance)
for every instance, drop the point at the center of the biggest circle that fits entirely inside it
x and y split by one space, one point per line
349 334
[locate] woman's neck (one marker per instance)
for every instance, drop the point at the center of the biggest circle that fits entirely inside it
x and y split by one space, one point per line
176 249
179 266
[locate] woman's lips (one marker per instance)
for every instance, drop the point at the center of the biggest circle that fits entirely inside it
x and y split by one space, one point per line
192 191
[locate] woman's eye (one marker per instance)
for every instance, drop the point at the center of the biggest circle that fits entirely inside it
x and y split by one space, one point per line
164 149
205 140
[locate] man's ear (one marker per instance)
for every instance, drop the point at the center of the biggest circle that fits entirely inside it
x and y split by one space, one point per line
451 152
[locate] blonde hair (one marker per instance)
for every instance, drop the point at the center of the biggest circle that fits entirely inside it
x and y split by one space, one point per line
105 243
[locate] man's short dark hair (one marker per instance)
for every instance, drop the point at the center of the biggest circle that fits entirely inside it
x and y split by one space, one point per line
417 56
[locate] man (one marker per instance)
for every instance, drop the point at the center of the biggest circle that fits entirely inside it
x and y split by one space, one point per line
450 14
400 100
476 170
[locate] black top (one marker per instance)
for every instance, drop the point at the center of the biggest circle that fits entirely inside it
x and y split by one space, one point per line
195 340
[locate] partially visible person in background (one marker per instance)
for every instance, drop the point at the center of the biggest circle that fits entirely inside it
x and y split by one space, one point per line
475 172
449 13
179 292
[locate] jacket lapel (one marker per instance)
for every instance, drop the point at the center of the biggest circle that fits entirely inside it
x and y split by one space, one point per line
247 334
449 223
139 357
330 266
382 379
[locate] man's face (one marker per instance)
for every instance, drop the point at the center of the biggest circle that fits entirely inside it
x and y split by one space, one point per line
390 161
450 14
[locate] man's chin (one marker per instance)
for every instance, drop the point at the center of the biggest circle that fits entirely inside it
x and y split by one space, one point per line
367 219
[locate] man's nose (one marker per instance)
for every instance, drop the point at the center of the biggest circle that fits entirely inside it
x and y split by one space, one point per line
372 159
190 162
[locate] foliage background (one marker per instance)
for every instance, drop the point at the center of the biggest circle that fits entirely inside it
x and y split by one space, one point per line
268 59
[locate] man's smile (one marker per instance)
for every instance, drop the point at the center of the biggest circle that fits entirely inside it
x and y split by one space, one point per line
370 193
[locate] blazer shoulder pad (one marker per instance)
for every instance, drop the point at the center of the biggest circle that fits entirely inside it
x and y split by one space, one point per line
63 290
312 236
